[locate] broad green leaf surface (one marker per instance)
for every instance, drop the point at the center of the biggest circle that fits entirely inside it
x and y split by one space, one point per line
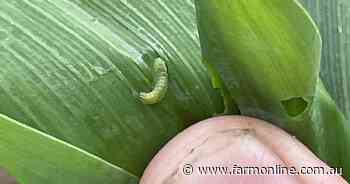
331 131
333 19
268 54
73 69
34 157
265 53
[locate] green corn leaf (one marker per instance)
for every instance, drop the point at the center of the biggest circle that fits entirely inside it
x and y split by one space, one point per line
34 157
73 69
333 19
268 54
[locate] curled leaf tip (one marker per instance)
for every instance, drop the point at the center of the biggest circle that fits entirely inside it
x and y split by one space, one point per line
160 88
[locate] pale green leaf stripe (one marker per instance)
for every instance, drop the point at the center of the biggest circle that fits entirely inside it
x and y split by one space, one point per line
73 69
333 19
36 158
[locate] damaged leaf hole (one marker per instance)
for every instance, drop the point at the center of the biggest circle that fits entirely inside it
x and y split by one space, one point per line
294 106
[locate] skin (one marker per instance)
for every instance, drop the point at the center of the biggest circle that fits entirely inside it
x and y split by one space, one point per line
5 178
230 140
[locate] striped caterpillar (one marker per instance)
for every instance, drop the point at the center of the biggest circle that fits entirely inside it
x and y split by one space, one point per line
160 83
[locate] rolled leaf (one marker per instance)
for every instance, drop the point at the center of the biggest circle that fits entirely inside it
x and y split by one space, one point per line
268 55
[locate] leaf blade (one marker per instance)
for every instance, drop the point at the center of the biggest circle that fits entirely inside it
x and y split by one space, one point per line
34 157
73 69
253 61
333 19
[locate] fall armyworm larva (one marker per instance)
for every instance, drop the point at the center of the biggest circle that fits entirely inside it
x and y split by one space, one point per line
160 83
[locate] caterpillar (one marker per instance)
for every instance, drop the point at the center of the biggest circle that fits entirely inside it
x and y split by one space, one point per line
160 83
